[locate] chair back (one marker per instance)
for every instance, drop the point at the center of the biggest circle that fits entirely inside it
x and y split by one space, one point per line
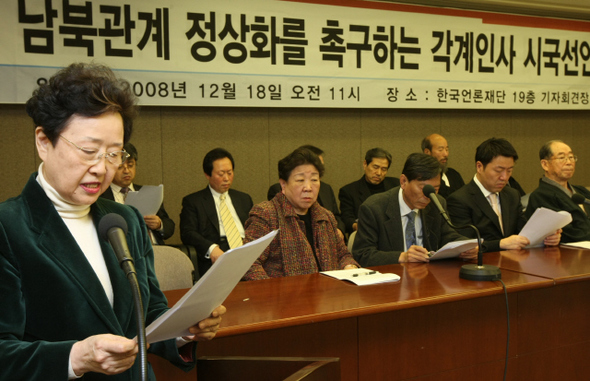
174 269
351 240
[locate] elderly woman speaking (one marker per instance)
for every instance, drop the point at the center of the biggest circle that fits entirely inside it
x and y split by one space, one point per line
67 309
308 241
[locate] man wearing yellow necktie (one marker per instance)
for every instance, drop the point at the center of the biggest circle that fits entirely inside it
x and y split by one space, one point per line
212 220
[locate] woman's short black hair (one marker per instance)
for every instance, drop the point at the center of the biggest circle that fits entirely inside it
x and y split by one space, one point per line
296 158
84 89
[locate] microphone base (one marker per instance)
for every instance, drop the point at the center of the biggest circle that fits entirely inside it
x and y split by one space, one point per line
483 273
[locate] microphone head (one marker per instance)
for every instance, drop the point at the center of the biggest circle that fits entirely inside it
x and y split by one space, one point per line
111 220
428 190
578 198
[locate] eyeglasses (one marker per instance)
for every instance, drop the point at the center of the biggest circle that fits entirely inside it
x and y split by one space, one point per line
564 159
92 157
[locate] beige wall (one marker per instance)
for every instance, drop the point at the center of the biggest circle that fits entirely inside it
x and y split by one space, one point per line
172 141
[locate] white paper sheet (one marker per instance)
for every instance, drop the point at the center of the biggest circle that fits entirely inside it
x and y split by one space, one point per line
543 223
209 292
581 244
453 249
147 200
362 277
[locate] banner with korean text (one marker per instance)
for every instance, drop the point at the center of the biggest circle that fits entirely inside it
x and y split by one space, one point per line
322 53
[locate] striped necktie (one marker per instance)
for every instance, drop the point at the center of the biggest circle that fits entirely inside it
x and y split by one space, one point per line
229 225
124 191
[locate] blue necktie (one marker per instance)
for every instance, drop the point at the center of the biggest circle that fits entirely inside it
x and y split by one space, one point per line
410 230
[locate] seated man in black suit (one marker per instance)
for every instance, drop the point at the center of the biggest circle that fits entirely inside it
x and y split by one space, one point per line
351 196
489 204
212 219
161 226
436 146
326 197
401 225
555 191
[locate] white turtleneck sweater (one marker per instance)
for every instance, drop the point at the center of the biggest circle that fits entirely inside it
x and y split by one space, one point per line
79 221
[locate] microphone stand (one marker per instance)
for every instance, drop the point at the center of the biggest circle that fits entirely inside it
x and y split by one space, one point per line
129 269
113 228
478 271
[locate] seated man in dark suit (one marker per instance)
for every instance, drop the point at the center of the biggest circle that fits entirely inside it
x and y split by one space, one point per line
161 226
555 191
351 196
212 220
326 197
401 225
436 146
489 204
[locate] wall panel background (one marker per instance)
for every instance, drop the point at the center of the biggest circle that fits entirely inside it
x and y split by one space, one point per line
173 140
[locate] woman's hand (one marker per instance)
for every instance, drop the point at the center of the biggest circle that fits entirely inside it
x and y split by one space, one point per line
108 354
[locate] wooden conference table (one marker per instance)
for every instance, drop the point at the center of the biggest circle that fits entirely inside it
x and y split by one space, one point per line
431 325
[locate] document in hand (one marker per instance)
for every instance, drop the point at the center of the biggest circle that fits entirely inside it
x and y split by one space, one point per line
453 249
209 292
147 200
362 277
543 223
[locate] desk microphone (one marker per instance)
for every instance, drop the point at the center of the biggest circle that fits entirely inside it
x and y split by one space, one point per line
579 199
113 228
471 271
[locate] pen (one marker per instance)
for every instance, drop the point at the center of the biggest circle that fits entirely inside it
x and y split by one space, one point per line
369 273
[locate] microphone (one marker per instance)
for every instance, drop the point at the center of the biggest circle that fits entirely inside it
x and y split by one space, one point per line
430 192
113 228
477 271
579 199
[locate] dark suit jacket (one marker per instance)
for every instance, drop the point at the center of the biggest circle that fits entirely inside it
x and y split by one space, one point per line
515 185
326 198
199 225
455 181
549 196
380 235
167 222
468 206
351 197
51 296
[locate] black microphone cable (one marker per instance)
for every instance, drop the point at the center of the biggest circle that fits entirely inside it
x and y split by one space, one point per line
492 273
508 330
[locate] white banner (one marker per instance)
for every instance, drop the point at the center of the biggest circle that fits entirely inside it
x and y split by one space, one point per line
271 53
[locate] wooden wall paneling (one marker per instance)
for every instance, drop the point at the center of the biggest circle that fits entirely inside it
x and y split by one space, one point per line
531 130
335 132
398 131
465 130
18 155
147 138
